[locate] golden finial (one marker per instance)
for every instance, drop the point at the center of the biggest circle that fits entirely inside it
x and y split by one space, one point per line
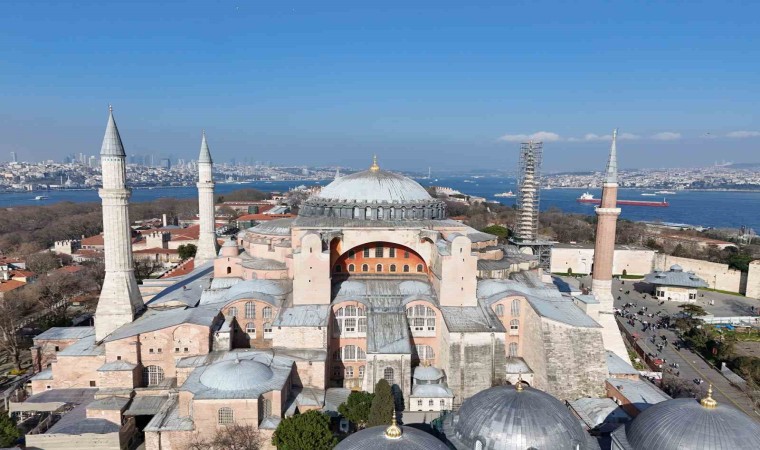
709 402
519 385
374 167
393 431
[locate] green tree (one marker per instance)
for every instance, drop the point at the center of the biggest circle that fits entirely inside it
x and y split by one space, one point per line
9 434
382 408
187 251
680 251
740 261
693 310
497 230
356 408
307 431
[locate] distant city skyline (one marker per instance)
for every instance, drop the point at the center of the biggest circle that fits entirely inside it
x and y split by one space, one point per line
447 85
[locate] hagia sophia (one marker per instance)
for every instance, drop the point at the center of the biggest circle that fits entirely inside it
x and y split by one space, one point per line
370 281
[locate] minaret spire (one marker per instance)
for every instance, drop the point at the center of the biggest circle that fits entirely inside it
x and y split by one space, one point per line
604 254
120 298
207 245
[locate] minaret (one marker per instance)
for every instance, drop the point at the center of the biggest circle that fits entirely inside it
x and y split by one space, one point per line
120 297
604 251
337 173
207 247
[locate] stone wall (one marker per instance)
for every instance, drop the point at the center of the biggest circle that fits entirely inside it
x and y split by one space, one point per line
580 259
717 276
475 361
753 280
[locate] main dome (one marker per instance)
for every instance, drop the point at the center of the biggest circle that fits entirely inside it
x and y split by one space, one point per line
374 194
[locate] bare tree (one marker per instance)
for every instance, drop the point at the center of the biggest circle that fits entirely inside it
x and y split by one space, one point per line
144 268
231 437
13 308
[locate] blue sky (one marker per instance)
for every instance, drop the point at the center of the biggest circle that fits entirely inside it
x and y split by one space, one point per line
447 84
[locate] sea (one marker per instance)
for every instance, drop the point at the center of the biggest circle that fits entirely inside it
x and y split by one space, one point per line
717 209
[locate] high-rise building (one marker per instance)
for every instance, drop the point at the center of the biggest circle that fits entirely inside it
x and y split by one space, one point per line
14 158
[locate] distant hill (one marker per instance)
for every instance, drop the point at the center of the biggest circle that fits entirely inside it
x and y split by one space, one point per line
745 166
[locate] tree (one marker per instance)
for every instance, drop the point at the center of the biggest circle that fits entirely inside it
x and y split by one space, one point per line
187 251
9 434
13 309
307 431
740 261
383 406
356 408
230 437
497 230
144 268
680 251
41 263
693 310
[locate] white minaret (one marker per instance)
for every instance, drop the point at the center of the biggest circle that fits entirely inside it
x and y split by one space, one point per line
120 298
207 247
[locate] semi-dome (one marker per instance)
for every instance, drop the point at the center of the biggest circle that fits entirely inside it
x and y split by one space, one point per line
390 438
236 375
374 194
509 417
697 425
427 373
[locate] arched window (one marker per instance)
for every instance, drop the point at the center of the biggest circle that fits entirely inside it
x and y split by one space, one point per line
339 312
421 318
267 330
500 310
232 311
380 213
419 268
225 416
392 252
365 268
267 312
406 267
357 213
362 325
515 307
250 310
349 353
351 268
379 268
152 375
379 251
349 325
368 216
514 324
424 352
250 328
351 254
350 310
349 372
229 270
513 349
360 354
361 371
388 375
366 252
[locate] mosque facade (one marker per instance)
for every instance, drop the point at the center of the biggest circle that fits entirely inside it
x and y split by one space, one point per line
370 281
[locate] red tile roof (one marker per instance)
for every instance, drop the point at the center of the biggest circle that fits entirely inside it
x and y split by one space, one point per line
7 286
70 269
157 250
93 240
182 269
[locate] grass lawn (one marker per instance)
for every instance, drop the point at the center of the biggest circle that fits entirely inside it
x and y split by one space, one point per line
721 292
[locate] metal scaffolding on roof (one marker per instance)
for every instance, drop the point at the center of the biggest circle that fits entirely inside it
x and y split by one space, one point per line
529 194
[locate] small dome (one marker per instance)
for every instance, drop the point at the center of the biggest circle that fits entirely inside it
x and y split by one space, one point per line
676 268
376 438
506 418
236 375
427 373
375 186
685 423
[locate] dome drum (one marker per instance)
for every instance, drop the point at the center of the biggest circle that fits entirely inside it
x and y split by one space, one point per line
418 210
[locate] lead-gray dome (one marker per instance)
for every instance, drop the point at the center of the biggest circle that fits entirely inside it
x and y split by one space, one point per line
375 439
236 375
505 418
684 423
374 194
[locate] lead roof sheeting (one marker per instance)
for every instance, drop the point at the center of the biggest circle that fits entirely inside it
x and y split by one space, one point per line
387 332
374 439
168 418
65 333
224 282
463 319
46 374
276 227
84 347
145 405
153 320
675 278
187 290
109 403
77 396
617 366
116 366
431 391
517 365
596 411
303 316
334 397
639 392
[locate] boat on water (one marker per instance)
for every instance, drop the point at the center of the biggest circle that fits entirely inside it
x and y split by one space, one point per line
41 197
589 198
666 192
648 194
505 194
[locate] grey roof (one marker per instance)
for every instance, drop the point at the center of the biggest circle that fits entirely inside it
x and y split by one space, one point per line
146 405
117 366
185 290
387 332
384 291
75 395
640 393
611 175
168 419
683 423
502 418
334 397
596 411
46 374
517 365
109 403
271 291
56 333
263 264
374 438
112 145
427 373
238 374
205 155
153 320
370 186
675 277
84 347
224 282
431 391
75 421
463 319
617 366
276 227
303 316
587 299
339 222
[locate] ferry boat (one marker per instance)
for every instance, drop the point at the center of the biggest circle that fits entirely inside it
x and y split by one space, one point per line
41 197
505 194
648 194
666 192
589 198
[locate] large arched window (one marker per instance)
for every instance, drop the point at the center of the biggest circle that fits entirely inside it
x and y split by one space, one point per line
500 310
350 353
388 375
515 307
232 311
421 318
267 312
513 349
225 416
350 320
152 375
424 352
250 310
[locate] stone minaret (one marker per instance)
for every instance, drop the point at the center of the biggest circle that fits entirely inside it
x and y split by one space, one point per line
604 251
207 247
120 298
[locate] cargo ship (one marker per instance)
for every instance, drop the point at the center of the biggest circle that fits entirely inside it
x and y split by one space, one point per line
589 198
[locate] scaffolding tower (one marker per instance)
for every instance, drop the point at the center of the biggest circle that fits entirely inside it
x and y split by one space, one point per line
528 199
